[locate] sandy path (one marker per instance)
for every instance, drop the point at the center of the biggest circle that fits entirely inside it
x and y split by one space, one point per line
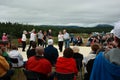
83 50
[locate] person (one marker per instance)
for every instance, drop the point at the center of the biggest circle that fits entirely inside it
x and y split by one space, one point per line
38 63
31 52
107 66
5 54
78 57
5 39
32 37
15 54
40 38
45 39
24 40
5 71
60 41
51 53
49 34
66 38
66 64
79 41
90 60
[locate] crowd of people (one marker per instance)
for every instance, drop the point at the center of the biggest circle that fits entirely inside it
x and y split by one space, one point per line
102 63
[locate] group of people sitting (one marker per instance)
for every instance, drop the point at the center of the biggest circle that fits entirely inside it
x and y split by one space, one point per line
40 60
103 63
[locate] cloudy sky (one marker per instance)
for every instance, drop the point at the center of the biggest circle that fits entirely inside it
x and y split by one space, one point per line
60 12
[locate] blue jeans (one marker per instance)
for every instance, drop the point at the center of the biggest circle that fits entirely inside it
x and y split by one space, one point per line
67 43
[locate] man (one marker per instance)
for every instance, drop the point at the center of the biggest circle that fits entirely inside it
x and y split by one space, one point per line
38 63
107 66
32 37
51 53
66 38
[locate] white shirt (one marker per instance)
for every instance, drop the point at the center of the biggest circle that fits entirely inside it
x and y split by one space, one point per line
24 37
40 35
60 37
16 54
66 36
32 37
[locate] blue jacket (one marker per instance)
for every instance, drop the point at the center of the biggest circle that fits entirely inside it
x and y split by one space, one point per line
104 70
51 54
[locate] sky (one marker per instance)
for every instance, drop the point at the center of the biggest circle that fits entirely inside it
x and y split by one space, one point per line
60 12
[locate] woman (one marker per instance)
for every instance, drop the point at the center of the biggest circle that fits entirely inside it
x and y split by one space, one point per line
24 40
66 64
60 41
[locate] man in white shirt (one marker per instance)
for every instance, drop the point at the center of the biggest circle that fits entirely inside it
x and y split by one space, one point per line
66 38
32 37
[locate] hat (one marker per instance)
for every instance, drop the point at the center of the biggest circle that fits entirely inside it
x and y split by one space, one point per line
76 49
116 30
50 42
25 32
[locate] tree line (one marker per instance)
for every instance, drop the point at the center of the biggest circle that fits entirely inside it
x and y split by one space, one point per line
16 29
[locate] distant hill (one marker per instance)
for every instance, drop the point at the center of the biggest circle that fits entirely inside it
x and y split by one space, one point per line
104 25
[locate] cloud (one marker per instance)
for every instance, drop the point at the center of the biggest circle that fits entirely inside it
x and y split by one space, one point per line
77 12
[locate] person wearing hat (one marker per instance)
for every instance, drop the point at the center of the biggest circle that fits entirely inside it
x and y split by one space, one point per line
107 66
51 53
24 40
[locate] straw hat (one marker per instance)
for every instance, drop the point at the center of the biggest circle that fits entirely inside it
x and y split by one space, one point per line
76 49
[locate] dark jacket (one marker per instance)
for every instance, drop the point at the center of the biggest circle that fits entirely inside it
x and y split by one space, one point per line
78 57
31 53
51 54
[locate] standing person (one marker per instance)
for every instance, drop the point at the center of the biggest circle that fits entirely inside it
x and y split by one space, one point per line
60 41
40 38
24 40
45 39
51 52
49 34
107 66
5 39
66 39
32 37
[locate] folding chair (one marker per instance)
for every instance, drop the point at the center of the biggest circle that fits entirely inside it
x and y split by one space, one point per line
30 75
63 76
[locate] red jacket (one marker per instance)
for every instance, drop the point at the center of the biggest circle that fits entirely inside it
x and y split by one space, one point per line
40 65
66 65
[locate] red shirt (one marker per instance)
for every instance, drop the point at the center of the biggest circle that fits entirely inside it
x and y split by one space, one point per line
40 65
66 65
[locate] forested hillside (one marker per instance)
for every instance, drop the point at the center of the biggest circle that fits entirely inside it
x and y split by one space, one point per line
15 29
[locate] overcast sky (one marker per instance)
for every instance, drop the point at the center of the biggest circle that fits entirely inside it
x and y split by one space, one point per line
65 12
